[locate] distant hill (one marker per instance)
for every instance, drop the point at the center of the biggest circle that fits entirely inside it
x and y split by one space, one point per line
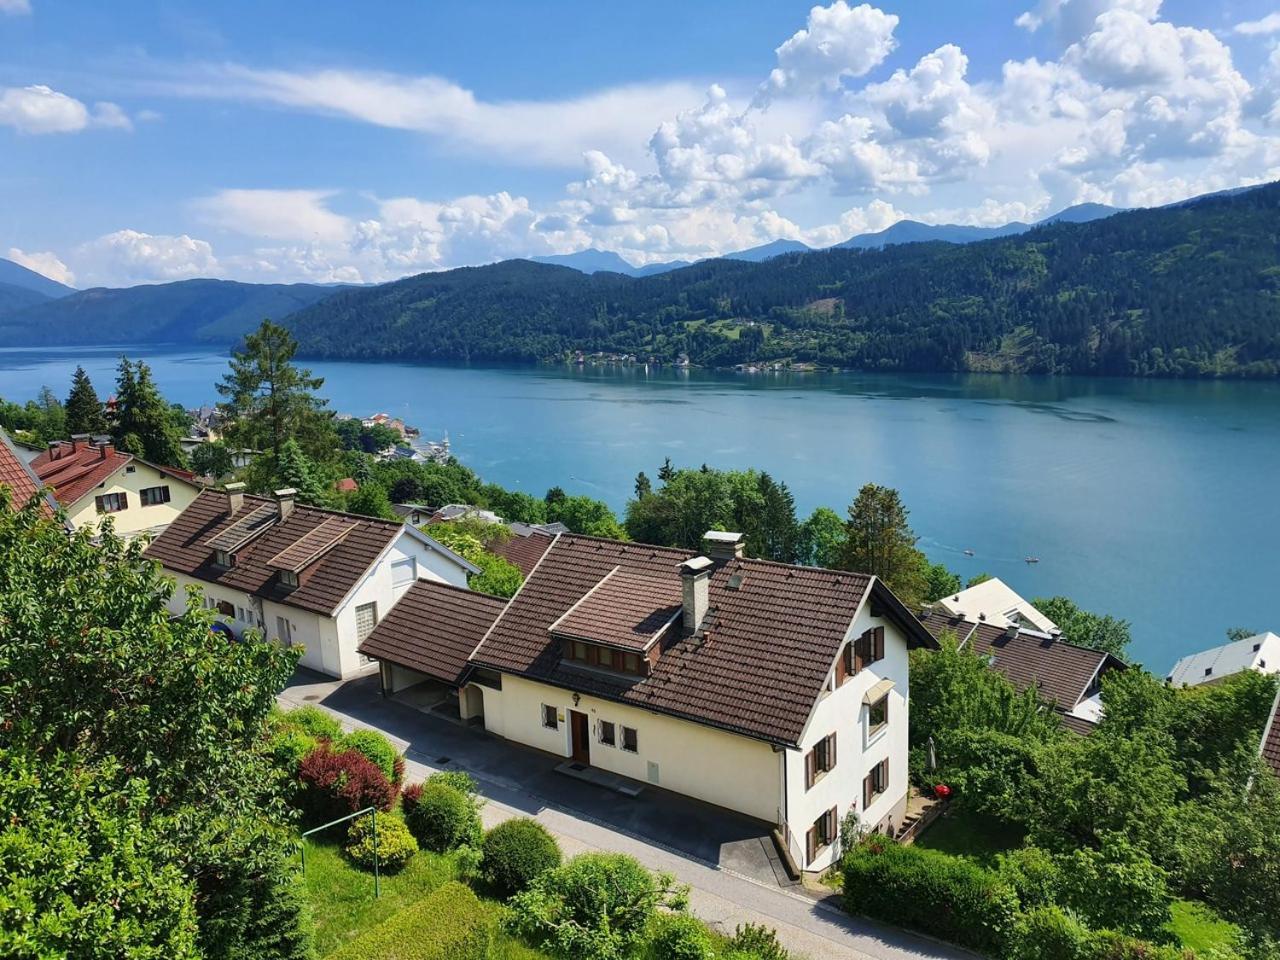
17 275
188 311
774 248
913 231
1192 290
592 260
14 298
1080 213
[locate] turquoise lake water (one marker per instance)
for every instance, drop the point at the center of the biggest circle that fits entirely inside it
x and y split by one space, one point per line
1157 501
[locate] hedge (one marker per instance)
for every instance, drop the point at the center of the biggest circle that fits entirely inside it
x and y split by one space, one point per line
313 720
930 892
376 748
450 924
1049 933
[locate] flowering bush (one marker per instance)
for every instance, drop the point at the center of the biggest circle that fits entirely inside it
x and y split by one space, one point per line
337 783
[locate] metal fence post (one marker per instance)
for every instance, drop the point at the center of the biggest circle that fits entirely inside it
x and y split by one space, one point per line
377 884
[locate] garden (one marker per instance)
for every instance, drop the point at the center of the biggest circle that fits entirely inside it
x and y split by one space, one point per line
450 889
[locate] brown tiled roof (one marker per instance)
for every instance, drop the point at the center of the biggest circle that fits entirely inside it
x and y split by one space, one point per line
1060 671
322 586
626 609
22 482
523 550
433 628
1271 738
755 667
73 469
1076 724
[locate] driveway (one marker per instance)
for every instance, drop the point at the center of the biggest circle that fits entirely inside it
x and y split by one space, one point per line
721 855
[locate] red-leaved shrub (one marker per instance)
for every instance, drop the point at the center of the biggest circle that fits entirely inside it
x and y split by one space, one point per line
409 797
335 784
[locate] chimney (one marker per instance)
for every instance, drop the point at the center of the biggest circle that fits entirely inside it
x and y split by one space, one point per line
79 440
1011 631
55 449
235 497
720 545
105 450
284 501
695 577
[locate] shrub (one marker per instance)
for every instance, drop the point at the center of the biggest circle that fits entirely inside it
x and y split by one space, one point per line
335 784
1112 945
460 780
1033 874
444 818
516 852
929 891
289 746
1049 933
678 936
450 924
595 907
758 942
409 797
376 748
1117 887
313 720
395 843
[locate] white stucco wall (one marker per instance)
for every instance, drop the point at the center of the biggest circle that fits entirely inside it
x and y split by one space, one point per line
135 519
842 712
699 761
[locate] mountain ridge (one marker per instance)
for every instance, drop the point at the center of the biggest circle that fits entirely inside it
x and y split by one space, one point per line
15 274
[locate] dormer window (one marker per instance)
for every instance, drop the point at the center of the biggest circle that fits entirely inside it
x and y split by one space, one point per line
604 658
223 558
288 579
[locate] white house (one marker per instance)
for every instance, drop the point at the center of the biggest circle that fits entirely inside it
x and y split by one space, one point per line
994 601
1261 652
777 691
316 578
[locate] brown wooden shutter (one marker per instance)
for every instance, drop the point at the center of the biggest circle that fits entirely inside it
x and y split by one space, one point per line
831 752
124 501
866 791
878 641
842 666
810 767
97 501
810 845
832 824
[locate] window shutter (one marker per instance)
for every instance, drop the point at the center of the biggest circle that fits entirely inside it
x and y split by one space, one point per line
831 752
124 501
809 769
878 640
866 791
842 672
98 503
810 845
832 825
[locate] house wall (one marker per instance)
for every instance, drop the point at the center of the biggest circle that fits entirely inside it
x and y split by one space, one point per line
135 519
696 760
842 711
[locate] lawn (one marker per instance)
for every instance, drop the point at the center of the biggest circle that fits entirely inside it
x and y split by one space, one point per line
1199 928
976 836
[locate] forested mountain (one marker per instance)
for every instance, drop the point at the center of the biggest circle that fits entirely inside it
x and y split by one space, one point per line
15 274
188 311
1191 290
14 297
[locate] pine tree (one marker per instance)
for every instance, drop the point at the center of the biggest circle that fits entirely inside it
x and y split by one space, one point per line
145 425
293 468
880 542
84 409
779 532
643 486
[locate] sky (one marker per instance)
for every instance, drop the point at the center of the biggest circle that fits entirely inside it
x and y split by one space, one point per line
335 142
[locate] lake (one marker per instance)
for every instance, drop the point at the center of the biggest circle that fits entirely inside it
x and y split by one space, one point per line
1156 501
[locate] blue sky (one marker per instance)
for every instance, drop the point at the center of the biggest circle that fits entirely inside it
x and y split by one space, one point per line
148 142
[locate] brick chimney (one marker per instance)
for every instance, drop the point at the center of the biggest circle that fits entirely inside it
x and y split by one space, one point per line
79 440
105 450
284 501
721 545
235 497
55 449
695 579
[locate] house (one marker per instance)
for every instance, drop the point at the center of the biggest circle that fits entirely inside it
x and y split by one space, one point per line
993 601
1270 748
302 575
346 485
524 547
414 513
1261 652
463 511
92 480
777 691
1063 674
20 479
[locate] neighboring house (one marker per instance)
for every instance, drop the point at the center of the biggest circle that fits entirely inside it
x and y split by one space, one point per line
93 480
26 451
463 511
346 485
524 549
777 691
993 601
21 480
1270 748
1066 675
302 575
414 513
1260 652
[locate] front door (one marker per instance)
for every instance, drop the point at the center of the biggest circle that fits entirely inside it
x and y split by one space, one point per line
579 730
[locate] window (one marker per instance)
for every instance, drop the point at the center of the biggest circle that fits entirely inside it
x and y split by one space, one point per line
607 734
112 502
821 835
631 663
154 496
875 782
222 558
594 655
605 657
404 572
819 760
226 609
550 719
290 579
131 469
864 651
630 741
877 715
366 620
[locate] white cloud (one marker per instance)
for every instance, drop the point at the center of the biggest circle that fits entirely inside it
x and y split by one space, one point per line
1266 25
838 41
43 262
111 116
15 7
275 214
39 109
130 256
1073 19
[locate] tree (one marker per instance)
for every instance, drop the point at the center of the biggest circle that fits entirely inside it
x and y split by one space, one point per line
588 516
293 468
268 400
666 471
145 425
1086 629
471 540
212 459
822 538
84 409
371 501
643 485
879 541
777 534
148 736
939 581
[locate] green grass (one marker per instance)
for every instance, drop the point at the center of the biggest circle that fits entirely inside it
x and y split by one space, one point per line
975 836
1199 928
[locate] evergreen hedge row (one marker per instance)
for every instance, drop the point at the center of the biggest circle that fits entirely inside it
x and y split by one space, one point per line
450 924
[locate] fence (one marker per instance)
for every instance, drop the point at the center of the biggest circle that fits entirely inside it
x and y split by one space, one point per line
377 880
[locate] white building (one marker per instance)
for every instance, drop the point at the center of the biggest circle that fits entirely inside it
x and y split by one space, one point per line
994 601
1260 652
777 691
302 575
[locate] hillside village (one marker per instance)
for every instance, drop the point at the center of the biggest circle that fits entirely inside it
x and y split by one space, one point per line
811 718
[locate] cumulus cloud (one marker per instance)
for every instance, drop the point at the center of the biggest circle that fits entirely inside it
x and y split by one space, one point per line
130 256
275 214
43 262
1073 19
838 41
40 109
1266 25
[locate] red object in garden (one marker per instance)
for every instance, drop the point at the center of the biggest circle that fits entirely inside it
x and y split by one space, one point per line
941 791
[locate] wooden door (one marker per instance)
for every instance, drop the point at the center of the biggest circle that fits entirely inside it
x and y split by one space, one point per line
580 731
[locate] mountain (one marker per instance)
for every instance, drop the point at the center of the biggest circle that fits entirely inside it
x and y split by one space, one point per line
1080 213
913 231
774 248
592 260
188 311
1183 291
14 298
17 275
